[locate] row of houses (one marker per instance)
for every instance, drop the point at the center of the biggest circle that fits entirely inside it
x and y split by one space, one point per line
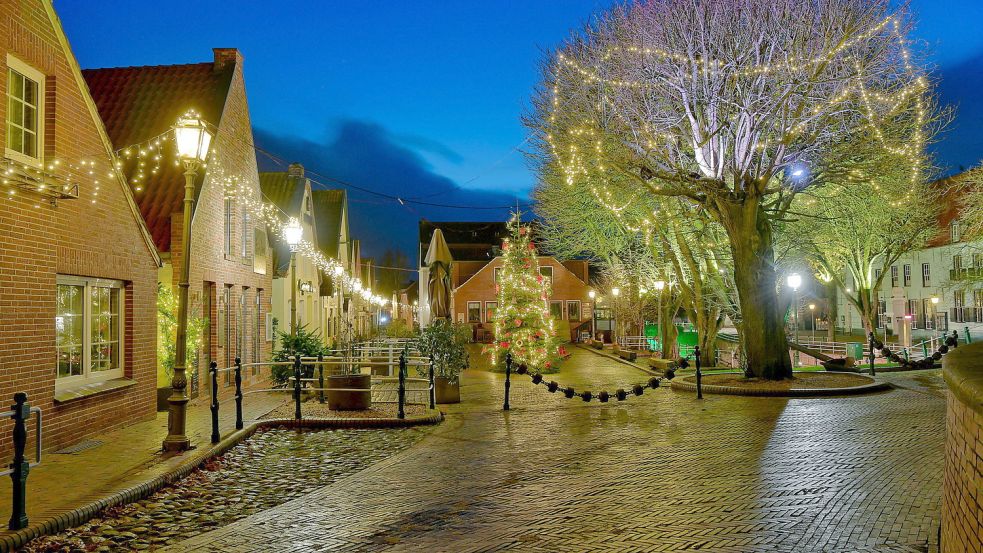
91 225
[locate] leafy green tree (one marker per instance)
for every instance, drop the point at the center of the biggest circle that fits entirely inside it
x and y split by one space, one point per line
167 332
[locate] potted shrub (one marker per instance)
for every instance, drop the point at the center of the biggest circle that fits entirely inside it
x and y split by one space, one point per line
446 344
307 344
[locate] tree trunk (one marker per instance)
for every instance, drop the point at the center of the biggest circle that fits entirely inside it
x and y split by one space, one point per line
755 277
868 310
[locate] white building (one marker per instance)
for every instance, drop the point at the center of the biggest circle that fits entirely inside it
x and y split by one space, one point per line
936 289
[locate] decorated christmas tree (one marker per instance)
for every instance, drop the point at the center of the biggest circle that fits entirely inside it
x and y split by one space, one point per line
522 321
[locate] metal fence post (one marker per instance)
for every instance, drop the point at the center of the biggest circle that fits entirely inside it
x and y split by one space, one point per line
20 467
320 377
238 380
402 386
870 340
699 374
213 372
297 387
433 389
969 340
508 379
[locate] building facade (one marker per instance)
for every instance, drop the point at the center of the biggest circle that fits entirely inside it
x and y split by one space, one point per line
935 289
77 266
475 250
231 272
331 218
290 192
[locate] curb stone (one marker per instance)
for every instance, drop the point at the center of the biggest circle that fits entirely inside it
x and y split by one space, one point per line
52 523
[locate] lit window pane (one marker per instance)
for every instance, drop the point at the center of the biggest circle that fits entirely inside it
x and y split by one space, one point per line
30 92
15 84
68 330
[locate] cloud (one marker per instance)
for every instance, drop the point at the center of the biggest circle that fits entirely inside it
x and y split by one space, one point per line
366 155
961 146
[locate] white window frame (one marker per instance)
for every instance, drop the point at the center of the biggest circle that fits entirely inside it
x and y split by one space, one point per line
926 275
906 274
244 248
894 276
495 274
467 313
955 231
562 311
549 269
37 76
228 216
88 376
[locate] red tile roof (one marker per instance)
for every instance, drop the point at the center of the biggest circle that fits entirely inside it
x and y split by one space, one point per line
139 103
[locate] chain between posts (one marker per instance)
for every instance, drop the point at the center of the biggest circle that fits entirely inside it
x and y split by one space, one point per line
950 342
569 392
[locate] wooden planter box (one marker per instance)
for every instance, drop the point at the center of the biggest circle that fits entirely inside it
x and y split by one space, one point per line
349 401
446 391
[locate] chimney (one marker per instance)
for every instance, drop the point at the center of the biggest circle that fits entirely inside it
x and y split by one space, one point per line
226 57
295 170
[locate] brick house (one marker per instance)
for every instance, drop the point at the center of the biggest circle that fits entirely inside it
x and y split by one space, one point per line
291 193
77 267
331 224
231 272
474 274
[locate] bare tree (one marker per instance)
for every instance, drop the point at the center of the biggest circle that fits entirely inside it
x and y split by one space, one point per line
736 106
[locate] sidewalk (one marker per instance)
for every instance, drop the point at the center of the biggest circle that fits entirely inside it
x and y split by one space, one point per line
128 461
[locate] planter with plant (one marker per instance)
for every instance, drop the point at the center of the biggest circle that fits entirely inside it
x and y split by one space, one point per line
446 344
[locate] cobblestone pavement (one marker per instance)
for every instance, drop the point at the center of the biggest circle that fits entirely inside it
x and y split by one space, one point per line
663 472
271 467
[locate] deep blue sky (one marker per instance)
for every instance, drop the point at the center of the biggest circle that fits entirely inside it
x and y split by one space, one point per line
422 97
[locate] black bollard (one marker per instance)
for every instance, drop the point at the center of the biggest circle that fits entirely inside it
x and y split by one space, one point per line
433 389
870 339
699 374
401 414
213 371
508 379
20 467
297 387
320 377
238 379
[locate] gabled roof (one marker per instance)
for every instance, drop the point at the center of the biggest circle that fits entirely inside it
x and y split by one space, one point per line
284 191
139 103
329 211
469 241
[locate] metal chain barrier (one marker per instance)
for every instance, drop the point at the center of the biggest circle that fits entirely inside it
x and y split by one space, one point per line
569 392
928 362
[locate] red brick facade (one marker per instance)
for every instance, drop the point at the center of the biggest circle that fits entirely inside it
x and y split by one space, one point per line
212 270
962 495
474 282
97 235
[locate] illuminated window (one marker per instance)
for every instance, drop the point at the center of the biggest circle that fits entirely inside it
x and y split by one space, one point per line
88 329
490 307
474 311
573 310
556 310
25 118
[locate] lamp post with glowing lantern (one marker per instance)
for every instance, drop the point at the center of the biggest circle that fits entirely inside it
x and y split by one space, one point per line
293 233
593 314
193 139
614 306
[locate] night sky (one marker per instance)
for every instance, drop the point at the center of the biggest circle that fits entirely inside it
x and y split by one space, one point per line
422 98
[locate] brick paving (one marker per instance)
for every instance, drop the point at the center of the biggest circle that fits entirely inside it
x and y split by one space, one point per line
663 472
123 458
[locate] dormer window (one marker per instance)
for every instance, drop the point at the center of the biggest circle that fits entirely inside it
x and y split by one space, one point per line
955 231
25 94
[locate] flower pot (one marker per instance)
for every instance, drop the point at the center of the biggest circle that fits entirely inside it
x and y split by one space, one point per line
344 400
447 391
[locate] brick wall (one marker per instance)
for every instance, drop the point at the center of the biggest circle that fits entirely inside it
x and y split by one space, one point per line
480 286
96 235
962 502
233 161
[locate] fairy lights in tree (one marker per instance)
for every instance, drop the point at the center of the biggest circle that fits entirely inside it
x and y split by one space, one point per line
522 321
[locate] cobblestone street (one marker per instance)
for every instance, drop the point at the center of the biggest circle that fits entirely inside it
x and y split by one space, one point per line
662 472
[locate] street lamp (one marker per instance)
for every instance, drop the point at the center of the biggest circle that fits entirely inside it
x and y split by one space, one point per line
593 314
193 140
812 313
293 233
659 286
614 307
794 281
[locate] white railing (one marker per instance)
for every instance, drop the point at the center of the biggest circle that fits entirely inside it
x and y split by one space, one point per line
647 343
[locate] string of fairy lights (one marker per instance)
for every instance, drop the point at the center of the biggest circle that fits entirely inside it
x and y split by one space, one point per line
59 178
583 164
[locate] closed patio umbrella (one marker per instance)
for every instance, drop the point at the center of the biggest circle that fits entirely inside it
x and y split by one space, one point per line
439 261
